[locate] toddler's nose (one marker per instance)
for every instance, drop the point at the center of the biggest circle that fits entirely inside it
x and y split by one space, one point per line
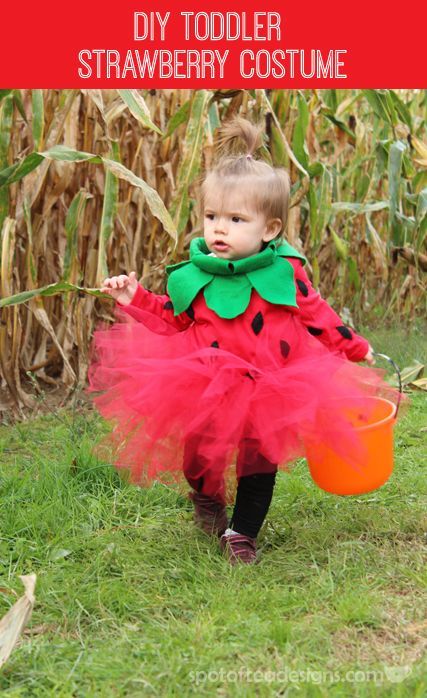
221 226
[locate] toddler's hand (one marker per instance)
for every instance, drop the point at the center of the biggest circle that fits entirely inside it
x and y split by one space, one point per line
122 288
369 357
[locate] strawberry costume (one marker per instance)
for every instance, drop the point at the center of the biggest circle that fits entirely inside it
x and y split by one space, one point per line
230 366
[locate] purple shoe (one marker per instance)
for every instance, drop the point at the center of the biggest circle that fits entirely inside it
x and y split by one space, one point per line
209 514
239 548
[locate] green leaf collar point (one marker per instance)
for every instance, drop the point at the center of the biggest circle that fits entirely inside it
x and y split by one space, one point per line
228 283
229 297
184 284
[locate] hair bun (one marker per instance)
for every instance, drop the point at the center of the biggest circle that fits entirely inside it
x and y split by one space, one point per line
240 135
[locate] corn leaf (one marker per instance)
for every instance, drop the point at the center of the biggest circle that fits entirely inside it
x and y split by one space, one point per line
191 160
298 142
72 223
6 113
178 118
394 177
138 108
17 617
109 207
38 118
152 198
357 208
50 290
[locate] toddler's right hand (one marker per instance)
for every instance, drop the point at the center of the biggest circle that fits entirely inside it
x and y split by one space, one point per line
122 288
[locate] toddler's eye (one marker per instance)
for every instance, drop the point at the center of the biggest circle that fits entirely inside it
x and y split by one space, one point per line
209 216
236 219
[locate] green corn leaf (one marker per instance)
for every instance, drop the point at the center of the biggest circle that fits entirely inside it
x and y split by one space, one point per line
394 177
341 245
390 108
278 150
72 223
357 208
138 108
401 109
338 122
38 118
353 273
267 108
381 106
330 98
4 93
213 117
420 181
16 172
381 151
179 117
298 140
109 208
362 186
63 153
376 103
17 100
50 290
324 199
407 222
315 170
6 114
313 212
421 218
191 160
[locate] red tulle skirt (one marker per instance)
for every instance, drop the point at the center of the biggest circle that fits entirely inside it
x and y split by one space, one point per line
184 412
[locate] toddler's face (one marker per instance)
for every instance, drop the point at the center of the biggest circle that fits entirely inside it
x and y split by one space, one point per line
233 229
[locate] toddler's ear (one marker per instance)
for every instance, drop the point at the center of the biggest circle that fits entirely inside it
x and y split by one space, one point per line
273 228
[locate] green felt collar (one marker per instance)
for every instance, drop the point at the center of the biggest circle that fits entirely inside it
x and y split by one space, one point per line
228 283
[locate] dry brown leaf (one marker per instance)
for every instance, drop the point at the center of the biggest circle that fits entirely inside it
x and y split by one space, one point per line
17 617
421 384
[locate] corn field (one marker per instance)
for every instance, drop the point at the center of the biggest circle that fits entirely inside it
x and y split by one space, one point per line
96 183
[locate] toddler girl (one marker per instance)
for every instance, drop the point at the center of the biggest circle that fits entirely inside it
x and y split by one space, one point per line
234 362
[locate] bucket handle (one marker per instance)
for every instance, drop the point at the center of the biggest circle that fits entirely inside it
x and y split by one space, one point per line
399 378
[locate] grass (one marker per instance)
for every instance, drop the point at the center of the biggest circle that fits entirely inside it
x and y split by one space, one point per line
132 600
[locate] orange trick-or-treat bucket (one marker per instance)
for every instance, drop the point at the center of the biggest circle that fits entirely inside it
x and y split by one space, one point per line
374 429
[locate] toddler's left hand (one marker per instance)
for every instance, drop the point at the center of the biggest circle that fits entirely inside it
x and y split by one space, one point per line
369 357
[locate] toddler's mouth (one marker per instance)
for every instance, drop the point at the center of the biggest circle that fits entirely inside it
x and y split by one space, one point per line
220 245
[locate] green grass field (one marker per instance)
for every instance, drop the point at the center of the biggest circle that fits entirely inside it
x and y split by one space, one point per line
132 600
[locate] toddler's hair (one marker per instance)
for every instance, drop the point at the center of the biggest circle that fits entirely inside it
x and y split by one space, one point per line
264 186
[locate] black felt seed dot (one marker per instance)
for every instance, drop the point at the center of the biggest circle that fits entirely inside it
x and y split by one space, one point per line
284 348
302 287
168 305
249 376
345 332
190 312
215 344
257 323
315 331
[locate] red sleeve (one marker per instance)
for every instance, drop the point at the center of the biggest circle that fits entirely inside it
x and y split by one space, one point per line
160 306
322 321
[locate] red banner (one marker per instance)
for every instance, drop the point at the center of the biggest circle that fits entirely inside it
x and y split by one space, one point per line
153 44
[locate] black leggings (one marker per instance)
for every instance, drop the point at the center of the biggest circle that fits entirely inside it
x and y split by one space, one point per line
254 489
254 494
